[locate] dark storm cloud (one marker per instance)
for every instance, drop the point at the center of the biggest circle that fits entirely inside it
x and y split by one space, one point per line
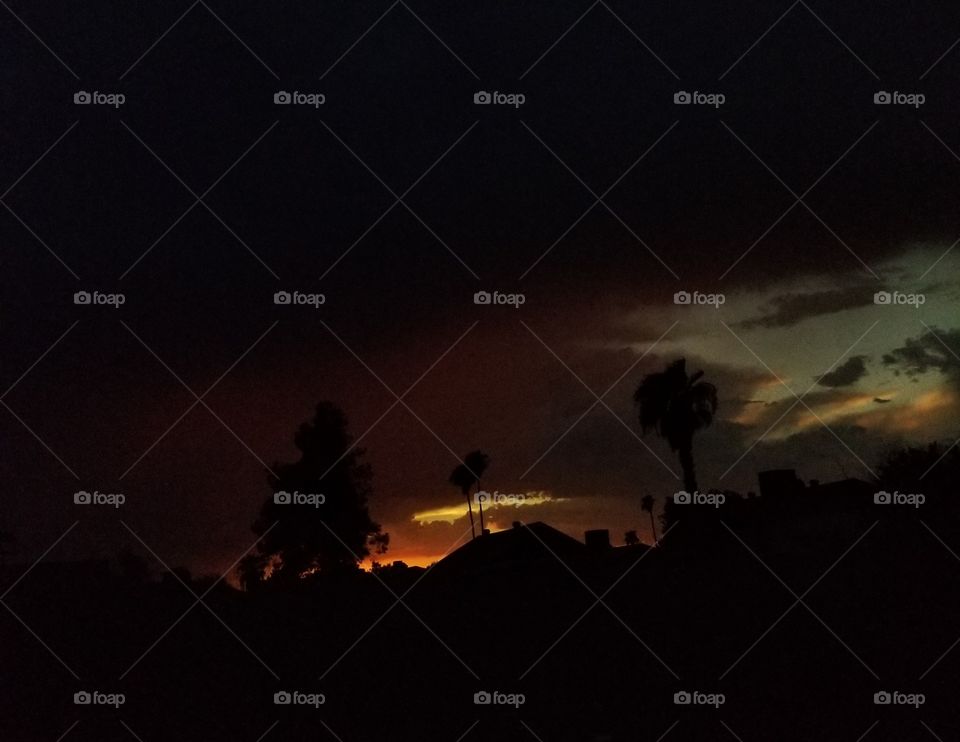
846 374
817 452
935 350
789 309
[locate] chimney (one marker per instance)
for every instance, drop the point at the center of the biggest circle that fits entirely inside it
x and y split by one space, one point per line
597 539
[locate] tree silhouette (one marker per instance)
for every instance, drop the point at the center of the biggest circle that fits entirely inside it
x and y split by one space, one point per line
313 536
932 470
677 406
646 504
468 474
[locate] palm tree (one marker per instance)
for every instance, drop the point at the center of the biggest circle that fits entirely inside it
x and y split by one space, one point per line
677 406
646 504
468 474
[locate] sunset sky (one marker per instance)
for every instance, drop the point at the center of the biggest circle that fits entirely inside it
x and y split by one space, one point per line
797 200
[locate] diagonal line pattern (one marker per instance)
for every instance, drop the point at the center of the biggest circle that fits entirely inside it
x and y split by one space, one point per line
15 183
41 41
398 398
957 641
953 353
24 623
397 401
69 729
800 200
177 22
419 20
442 42
400 601
399 200
242 42
619 20
801 401
797 401
360 38
599 199
759 39
20 419
819 20
598 600
799 599
36 636
197 598
598 400
200 199
161 38
396 602
198 601
199 398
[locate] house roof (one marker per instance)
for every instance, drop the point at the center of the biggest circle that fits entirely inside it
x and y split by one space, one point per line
524 543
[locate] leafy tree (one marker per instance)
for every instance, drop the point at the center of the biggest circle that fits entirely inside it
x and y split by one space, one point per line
466 475
314 536
932 470
677 406
379 542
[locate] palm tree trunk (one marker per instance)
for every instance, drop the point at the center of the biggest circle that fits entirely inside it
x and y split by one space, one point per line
480 505
653 528
689 473
473 532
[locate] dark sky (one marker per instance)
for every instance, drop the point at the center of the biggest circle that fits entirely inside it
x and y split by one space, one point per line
293 189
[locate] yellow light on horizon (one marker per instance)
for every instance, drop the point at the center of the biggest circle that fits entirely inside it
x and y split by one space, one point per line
452 513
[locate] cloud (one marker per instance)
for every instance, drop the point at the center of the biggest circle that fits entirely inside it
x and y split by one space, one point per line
881 400
932 351
789 309
846 374
499 502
